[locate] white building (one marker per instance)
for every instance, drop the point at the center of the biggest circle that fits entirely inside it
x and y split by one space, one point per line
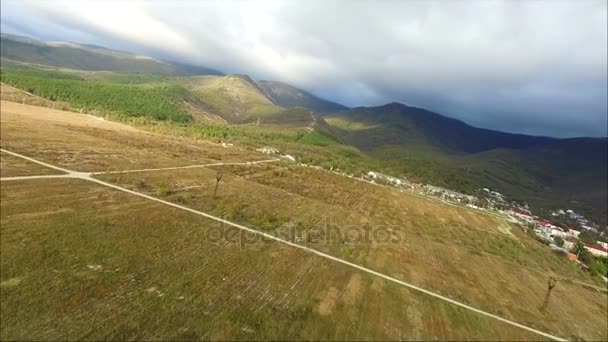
598 251
574 233
521 214
557 231
268 150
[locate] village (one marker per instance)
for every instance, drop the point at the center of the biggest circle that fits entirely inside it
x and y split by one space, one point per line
562 239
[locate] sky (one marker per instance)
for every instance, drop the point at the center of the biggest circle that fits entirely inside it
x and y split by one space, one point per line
534 67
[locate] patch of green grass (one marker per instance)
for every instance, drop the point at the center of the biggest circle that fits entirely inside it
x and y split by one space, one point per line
318 139
345 252
162 188
266 221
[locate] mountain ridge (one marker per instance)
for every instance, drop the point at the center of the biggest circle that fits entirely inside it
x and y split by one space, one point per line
286 95
452 153
89 57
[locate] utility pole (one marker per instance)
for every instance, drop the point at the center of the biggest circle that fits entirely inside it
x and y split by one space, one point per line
218 177
550 285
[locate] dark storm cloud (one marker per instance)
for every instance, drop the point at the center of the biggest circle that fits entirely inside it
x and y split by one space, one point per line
532 67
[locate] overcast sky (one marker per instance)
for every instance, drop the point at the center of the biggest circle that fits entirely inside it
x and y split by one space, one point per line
537 67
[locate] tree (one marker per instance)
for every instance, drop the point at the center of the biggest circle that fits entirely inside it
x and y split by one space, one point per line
559 241
550 285
598 266
579 249
218 178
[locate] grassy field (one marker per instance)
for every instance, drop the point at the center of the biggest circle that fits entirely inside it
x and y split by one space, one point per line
11 166
475 258
210 102
97 264
88 143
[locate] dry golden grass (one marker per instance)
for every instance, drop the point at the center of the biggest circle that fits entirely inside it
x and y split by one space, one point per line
11 166
475 258
80 261
87 143
8 93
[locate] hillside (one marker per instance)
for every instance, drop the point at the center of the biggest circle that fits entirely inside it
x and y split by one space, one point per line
236 98
288 96
17 49
146 230
547 172
109 94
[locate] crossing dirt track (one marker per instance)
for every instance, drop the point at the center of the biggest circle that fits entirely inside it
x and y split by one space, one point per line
134 245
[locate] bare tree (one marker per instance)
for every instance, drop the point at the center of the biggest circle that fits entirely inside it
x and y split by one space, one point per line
218 177
550 285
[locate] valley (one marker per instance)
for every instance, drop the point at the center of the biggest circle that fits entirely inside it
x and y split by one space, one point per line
447 250
403 141
145 199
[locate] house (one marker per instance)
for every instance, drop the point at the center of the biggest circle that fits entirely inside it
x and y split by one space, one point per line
496 194
589 227
549 228
569 243
597 250
557 231
545 223
573 232
522 214
386 178
268 150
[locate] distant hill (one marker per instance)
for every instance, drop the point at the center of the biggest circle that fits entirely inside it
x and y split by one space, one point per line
236 98
288 96
239 99
19 49
547 172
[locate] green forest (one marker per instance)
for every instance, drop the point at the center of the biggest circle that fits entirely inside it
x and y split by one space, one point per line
161 102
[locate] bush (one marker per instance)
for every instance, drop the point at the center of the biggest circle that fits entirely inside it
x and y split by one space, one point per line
162 189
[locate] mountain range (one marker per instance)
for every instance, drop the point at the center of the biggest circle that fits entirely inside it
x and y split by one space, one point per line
548 173
20 49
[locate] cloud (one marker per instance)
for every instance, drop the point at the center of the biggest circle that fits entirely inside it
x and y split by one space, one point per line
533 67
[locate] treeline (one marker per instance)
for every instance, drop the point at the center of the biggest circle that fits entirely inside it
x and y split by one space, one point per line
41 73
228 132
158 102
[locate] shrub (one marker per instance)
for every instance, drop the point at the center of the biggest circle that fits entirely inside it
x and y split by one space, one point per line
162 189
